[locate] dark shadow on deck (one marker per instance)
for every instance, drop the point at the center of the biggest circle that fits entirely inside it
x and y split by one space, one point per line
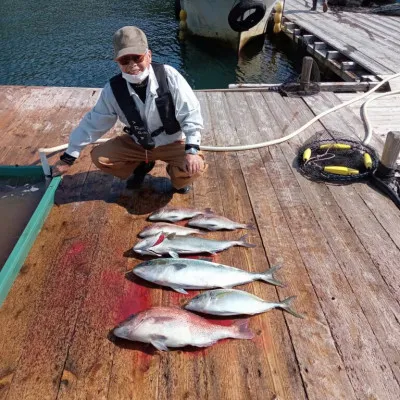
156 192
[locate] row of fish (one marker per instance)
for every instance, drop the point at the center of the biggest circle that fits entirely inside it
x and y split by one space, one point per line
179 230
167 238
199 219
166 327
194 274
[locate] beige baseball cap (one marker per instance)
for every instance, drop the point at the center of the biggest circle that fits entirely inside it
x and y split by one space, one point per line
129 40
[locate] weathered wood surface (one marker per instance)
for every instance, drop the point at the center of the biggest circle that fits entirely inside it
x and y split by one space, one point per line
338 245
369 39
383 113
280 246
361 273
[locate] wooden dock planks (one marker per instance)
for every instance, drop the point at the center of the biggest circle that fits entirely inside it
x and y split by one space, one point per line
278 355
370 40
338 245
360 271
280 247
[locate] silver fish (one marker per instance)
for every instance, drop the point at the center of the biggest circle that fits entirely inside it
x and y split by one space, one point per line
214 222
167 228
187 273
173 214
173 245
235 302
166 327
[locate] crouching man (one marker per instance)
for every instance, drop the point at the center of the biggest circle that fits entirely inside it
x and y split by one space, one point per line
161 115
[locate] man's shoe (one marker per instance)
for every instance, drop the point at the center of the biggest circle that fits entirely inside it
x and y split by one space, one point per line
184 190
140 172
313 9
389 185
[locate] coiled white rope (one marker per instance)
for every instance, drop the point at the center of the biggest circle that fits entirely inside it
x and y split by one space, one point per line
47 170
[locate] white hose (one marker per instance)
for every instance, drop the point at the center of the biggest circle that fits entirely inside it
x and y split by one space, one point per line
365 115
305 126
44 151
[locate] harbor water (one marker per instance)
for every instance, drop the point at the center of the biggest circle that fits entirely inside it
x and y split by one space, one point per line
19 197
61 43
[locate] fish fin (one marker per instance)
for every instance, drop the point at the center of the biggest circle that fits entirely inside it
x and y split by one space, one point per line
242 242
208 211
251 227
268 276
173 254
158 341
171 236
178 266
242 330
211 227
152 252
286 305
146 252
179 290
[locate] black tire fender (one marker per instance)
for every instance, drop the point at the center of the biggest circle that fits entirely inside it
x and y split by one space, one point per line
236 14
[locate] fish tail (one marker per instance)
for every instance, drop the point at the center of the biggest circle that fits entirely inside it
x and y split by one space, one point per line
241 329
268 276
251 227
242 242
286 305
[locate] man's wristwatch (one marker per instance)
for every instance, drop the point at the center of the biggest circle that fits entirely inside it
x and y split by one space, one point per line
191 150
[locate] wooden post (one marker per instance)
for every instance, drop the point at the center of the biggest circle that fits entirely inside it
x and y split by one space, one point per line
306 73
391 150
283 8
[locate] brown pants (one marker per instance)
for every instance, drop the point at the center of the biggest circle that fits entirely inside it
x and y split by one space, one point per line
121 155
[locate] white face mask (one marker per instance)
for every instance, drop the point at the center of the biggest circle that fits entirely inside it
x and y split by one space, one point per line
138 78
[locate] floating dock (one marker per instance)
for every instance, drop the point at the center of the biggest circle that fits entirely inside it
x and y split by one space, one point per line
339 247
356 46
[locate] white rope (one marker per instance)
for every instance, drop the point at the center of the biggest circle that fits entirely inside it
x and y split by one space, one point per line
305 126
364 113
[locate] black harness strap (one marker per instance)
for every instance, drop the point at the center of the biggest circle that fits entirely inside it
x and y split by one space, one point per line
125 101
164 103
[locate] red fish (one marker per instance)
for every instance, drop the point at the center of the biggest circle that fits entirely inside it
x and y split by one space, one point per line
166 327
